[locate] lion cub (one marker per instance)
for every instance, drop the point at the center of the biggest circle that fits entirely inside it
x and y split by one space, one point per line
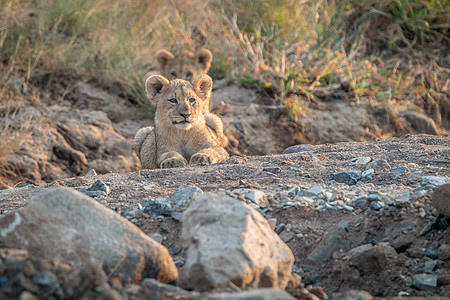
183 133
186 65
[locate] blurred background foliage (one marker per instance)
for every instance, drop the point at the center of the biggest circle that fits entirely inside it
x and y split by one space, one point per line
290 49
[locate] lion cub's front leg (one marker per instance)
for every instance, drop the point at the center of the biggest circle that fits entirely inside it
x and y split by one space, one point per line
172 159
209 156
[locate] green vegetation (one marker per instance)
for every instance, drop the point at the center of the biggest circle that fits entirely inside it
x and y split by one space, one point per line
296 51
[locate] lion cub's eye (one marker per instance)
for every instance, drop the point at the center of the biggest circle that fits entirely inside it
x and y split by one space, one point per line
173 101
189 76
174 75
192 100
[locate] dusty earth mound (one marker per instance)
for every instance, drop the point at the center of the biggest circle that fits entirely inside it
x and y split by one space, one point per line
75 126
356 216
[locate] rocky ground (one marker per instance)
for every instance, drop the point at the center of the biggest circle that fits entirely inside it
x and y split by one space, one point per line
357 216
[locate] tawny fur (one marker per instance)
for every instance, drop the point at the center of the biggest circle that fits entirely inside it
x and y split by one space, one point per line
186 65
183 134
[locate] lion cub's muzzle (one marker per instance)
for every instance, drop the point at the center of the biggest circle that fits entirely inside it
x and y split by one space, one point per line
184 122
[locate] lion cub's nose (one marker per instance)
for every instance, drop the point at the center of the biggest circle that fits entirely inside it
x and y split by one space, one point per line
185 115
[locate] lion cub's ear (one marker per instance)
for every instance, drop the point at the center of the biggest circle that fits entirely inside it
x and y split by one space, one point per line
163 57
154 85
204 58
203 86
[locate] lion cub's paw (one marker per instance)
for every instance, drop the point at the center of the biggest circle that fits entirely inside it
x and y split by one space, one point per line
201 159
173 163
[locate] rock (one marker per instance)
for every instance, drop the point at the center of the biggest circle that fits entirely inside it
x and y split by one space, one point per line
259 294
402 242
99 186
431 253
441 199
27 296
435 180
421 123
352 295
425 282
157 207
91 173
379 165
349 177
64 225
298 148
177 201
362 160
182 198
334 240
257 197
373 260
444 252
376 205
399 170
227 241
313 191
430 265
367 172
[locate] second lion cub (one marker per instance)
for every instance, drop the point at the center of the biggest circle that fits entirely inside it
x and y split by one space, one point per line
183 133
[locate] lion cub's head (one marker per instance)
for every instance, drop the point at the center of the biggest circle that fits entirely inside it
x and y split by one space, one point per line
186 65
178 102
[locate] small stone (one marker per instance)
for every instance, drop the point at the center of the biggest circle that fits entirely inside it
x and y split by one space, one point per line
444 252
367 172
361 203
25 295
315 190
99 186
179 263
430 265
91 173
435 180
441 199
280 228
348 207
272 222
45 279
360 249
425 282
182 198
274 170
349 177
287 236
431 253
376 205
257 197
403 197
157 237
298 148
399 170
176 216
362 160
157 207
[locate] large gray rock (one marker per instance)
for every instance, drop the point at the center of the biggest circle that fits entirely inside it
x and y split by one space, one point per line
67 226
441 199
227 241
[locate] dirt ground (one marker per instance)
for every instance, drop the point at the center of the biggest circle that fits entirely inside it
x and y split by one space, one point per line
410 225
